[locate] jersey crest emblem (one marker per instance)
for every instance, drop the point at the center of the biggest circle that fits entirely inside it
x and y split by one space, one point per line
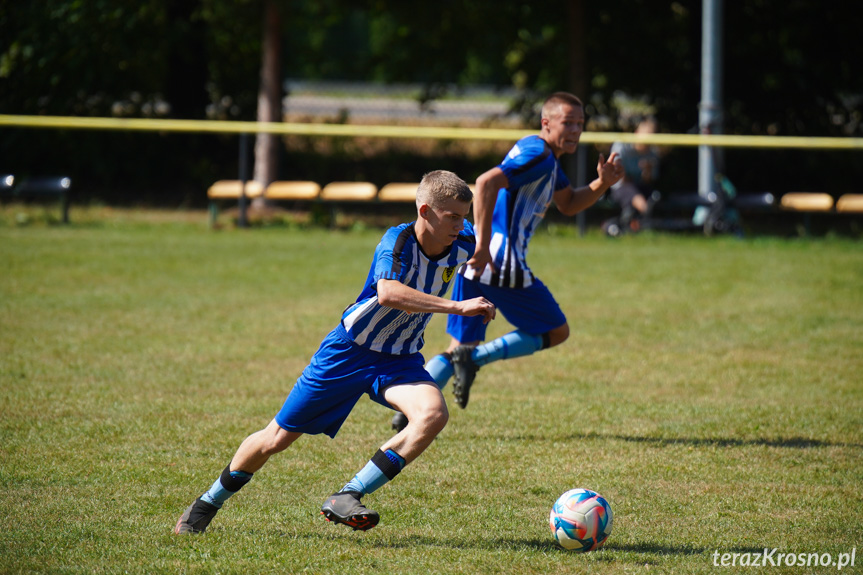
448 273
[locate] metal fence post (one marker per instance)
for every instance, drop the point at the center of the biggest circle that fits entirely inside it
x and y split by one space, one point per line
242 221
581 180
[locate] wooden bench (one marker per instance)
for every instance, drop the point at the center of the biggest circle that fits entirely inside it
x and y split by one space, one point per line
398 192
232 189
850 204
403 192
349 192
222 190
293 191
806 203
333 195
337 195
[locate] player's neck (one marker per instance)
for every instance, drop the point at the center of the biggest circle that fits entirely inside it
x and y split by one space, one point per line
555 152
429 245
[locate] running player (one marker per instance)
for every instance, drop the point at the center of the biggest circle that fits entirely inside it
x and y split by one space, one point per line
373 350
511 201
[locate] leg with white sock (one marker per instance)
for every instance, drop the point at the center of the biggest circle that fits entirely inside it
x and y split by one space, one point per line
255 450
225 486
381 468
426 410
345 506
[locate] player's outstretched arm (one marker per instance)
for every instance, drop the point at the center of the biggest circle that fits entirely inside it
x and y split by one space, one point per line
392 293
571 201
487 186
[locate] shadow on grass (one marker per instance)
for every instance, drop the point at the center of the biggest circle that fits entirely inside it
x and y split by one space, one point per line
548 545
413 541
656 549
787 442
610 551
790 442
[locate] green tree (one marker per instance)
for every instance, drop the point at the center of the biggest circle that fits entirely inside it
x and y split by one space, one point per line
81 58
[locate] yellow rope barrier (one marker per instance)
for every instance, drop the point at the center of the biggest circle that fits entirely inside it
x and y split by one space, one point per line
433 132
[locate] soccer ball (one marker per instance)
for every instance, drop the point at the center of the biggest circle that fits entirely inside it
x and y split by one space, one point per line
580 520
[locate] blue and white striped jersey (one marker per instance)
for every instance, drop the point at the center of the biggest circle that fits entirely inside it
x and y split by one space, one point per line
399 257
534 175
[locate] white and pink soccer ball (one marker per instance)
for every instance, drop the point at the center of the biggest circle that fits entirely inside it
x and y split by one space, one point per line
581 520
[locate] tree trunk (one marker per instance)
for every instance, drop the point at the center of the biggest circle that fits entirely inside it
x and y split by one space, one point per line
269 96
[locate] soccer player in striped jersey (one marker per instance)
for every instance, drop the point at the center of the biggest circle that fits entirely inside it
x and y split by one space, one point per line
511 201
374 350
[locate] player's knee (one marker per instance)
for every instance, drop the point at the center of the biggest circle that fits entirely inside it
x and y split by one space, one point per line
275 441
432 418
558 335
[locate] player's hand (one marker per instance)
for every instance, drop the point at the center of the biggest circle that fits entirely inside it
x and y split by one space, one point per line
479 306
481 258
610 171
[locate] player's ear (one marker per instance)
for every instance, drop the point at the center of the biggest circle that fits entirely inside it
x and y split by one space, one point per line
424 210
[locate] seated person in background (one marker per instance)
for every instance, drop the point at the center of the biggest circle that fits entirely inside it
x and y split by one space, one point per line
641 169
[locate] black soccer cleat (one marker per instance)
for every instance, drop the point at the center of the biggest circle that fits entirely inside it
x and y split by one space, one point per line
345 508
196 517
400 421
464 372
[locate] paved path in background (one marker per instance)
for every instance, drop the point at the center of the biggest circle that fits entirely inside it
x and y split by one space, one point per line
394 109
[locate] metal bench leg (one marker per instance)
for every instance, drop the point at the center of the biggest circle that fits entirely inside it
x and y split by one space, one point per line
64 203
214 214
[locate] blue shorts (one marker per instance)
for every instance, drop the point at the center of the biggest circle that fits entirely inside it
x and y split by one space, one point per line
532 309
339 374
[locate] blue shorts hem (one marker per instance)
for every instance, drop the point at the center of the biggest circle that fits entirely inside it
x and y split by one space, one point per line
338 375
532 309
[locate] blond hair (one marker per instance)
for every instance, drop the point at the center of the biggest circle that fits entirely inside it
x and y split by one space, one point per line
440 185
555 101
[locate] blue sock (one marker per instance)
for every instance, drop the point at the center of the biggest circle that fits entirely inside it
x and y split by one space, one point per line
225 486
378 471
514 344
440 368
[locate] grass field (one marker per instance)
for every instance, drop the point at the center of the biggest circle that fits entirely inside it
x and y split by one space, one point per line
710 390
